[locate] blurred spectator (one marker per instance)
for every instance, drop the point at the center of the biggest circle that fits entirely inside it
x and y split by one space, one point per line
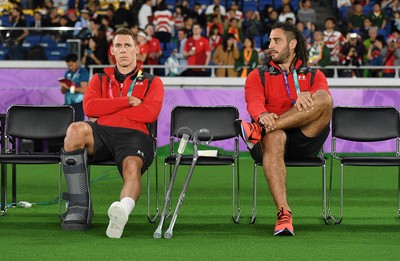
283 3
155 51
234 29
287 14
364 30
215 22
110 13
319 54
198 52
214 37
141 57
306 14
109 30
235 13
145 14
396 21
306 31
93 7
272 19
122 17
52 18
333 40
356 19
178 18
188 26
82 23
172 64
15 38
248 59
352 58
378 16
226 54
63 35
72 17
251 25
94 55
182 37
199 16
164 23
211 8
374 57
391 55
217 12
353 40
37 22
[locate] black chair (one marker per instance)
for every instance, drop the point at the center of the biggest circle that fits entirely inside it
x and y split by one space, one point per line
153 132
363 125
31 122
317 161
219 120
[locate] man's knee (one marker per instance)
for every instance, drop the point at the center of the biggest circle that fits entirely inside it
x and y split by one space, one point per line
132 166
323 100
75 136
274 141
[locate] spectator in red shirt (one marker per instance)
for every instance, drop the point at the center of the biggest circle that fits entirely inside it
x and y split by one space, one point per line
141 57
198 52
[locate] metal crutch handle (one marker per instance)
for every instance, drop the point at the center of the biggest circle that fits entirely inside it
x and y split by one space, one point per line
181 149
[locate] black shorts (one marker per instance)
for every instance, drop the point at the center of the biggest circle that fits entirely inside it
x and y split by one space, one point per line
297 144
114 143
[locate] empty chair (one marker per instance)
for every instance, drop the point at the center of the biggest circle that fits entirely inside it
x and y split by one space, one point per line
31 122
363 124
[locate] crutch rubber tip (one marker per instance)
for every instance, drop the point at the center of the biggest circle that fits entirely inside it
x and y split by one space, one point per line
157 235
168 234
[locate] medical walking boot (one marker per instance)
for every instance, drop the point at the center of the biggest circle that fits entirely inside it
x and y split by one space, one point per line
79 211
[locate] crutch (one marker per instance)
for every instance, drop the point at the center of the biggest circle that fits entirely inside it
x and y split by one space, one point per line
196 140
182 145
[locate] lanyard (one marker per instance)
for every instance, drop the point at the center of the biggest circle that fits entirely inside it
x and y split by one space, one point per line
296 84
74 77
110 93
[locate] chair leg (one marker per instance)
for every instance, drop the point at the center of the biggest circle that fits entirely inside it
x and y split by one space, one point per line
324 216
330 215
398 191
253 214
3 209
60 191
153 218
237 217
14 185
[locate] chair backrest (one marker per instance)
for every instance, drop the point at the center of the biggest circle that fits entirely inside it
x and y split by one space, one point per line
37 122
365 124
218 119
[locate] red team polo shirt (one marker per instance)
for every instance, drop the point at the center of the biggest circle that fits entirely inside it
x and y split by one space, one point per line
201 46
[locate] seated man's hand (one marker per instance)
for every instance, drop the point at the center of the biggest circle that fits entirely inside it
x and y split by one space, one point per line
304 102
267 120
133 101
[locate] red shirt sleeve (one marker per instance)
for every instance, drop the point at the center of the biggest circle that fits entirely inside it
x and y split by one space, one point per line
254 94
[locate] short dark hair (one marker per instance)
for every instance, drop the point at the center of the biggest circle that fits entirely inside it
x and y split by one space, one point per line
71 57
124 31
291 32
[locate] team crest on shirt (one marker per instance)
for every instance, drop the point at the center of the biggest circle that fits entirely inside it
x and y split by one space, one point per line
302 77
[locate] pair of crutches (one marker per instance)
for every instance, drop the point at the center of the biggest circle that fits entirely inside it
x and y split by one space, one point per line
186 136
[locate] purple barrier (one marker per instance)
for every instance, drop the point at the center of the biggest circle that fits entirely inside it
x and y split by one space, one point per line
14 91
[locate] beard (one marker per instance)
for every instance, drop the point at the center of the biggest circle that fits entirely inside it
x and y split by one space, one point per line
281 57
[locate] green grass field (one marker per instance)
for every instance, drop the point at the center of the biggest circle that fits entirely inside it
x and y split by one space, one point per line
204 229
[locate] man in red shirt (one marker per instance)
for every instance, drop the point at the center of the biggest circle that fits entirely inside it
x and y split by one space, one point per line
141 57
198 52
120 103
291 107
